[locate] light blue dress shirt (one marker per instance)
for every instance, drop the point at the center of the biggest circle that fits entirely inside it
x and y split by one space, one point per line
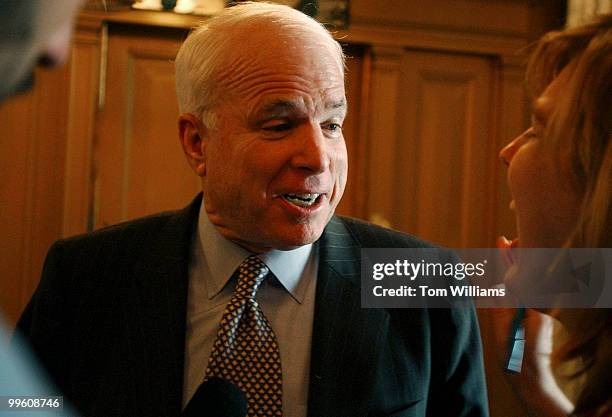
287 300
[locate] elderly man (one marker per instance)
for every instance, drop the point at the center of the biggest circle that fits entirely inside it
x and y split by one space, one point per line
256 282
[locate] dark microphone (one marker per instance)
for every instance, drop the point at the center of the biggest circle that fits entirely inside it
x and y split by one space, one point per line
217 397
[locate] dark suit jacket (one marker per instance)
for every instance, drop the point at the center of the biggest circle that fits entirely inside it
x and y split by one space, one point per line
108 321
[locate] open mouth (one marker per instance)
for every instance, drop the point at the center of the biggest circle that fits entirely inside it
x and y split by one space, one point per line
302 199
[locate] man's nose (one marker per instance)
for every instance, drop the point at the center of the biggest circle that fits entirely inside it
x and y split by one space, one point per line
312 154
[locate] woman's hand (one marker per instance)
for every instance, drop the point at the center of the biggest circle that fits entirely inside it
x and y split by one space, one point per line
535 384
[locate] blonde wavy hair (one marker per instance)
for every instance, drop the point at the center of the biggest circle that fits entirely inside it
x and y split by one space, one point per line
581 128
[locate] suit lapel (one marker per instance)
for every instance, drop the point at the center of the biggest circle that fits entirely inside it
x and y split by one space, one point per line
345 337
159 310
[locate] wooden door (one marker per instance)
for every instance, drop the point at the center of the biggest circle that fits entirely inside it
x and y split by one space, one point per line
140 166
431 143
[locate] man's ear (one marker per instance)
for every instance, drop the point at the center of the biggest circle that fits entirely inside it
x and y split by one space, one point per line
192 135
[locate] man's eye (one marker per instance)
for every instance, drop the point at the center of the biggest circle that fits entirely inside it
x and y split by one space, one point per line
334 127
277 127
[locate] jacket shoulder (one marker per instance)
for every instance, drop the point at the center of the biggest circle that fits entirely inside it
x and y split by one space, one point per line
125 231
162 226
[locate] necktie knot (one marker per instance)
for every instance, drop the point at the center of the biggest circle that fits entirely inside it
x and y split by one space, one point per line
251 274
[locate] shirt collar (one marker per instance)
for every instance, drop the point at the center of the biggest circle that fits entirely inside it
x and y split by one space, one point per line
292 268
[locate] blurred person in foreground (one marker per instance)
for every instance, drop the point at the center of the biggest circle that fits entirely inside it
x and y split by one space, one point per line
560 177
31 32
255 282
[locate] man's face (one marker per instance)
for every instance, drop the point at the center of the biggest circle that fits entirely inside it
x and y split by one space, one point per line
275 165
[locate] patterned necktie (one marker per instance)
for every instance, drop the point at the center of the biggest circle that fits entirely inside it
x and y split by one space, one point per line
246 351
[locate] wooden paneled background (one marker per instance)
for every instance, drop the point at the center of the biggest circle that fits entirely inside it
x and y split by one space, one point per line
435 89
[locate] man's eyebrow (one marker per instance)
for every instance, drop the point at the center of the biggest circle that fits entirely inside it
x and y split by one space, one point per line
285 106
278 106
337 104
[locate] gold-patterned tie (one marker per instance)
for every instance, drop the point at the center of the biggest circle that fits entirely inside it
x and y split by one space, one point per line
246 351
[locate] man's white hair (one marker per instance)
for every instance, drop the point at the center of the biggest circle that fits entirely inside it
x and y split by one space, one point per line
200 62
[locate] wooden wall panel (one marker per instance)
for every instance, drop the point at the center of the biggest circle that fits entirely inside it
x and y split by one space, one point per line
16 153
432 145
357 88
82 106
382 135
46 197
481 16
45 150
32 155
158 177
142 169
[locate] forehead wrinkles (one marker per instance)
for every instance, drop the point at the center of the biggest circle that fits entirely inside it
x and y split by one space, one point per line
316 77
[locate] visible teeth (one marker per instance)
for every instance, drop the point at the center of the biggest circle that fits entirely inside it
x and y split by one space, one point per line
301 199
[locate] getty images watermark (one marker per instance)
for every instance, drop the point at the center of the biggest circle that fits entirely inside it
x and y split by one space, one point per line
541 278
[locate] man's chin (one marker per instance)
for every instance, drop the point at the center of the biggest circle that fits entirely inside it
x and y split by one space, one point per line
284 236
294 243
263 244
295 238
